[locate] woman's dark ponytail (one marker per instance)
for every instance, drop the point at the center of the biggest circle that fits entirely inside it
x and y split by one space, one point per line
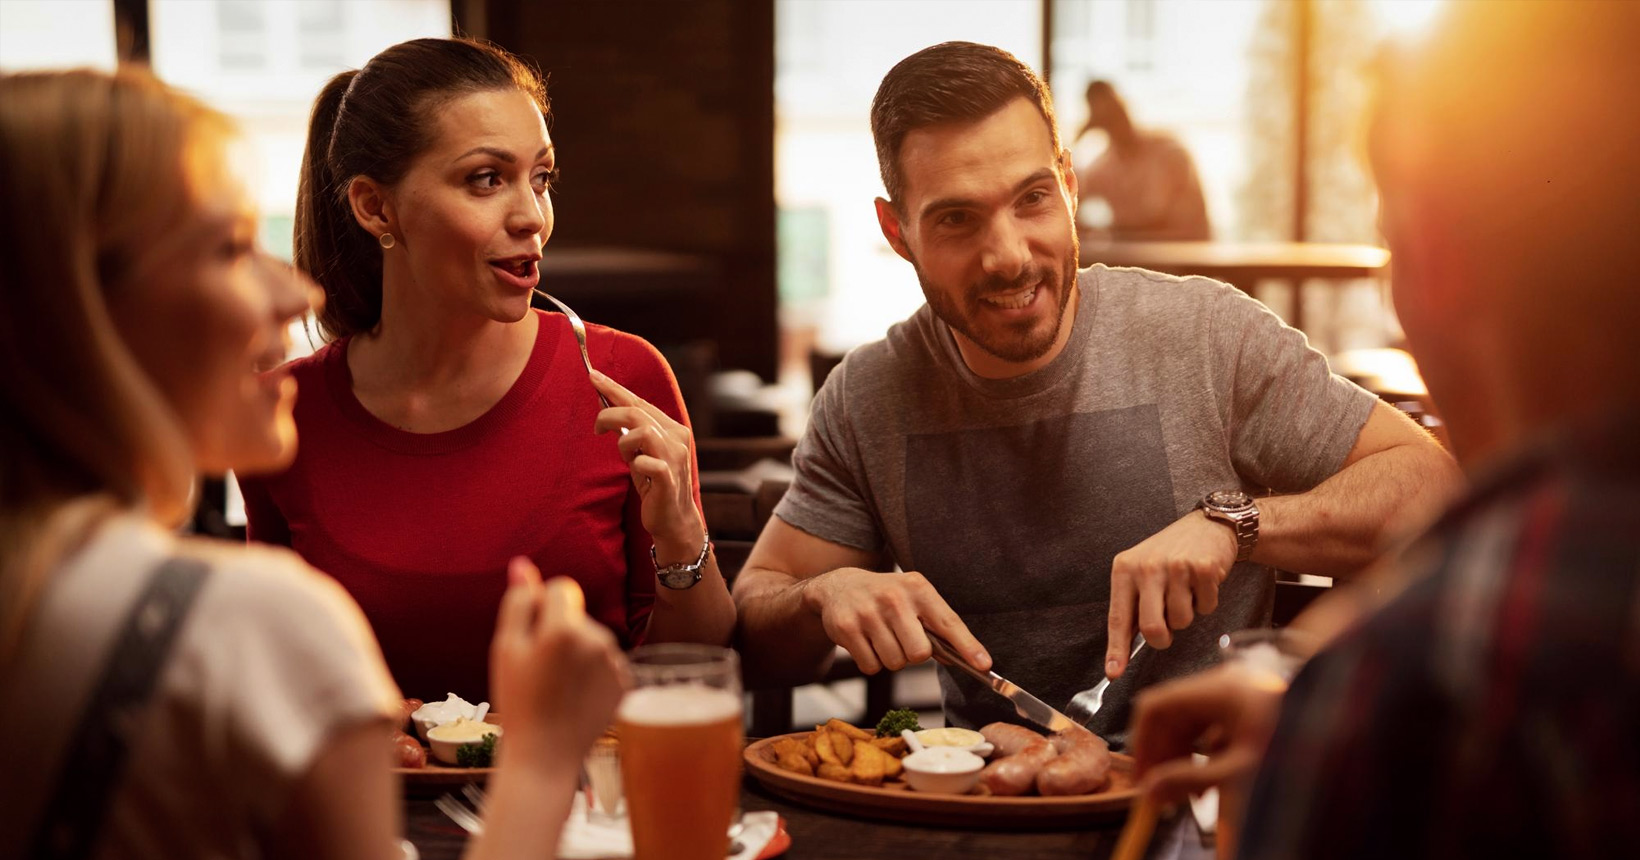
329 245
374 122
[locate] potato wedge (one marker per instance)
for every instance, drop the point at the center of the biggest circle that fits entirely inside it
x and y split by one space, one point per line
893 769
843 747
793 746
795 756
807 750
870 764
794 762
852 732
824 749
893 746
833 772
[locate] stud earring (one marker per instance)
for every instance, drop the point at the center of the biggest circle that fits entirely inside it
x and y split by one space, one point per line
387 240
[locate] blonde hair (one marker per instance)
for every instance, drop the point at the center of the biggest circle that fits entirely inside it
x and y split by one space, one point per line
93 171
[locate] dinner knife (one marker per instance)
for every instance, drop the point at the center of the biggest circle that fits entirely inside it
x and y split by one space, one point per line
1028 706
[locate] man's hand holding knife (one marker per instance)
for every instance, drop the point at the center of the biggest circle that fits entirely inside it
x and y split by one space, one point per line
879 618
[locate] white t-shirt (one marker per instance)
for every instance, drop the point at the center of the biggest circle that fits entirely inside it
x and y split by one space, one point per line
272 660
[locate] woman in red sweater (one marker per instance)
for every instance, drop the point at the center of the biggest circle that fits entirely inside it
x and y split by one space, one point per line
447 427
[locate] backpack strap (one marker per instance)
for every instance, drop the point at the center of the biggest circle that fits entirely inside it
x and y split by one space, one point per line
74 815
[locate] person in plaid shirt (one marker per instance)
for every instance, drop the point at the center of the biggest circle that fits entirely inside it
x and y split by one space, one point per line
1486 700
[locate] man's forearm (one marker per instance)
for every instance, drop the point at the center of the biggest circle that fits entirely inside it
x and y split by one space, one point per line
781 641
1341 526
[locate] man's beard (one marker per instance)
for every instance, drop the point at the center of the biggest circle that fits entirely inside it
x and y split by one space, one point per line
1019 342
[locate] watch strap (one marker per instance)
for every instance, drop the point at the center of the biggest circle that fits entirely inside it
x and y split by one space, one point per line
1243 523
1246 530
682 575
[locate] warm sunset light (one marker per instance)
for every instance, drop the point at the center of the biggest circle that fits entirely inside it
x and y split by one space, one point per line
1406 17
982 426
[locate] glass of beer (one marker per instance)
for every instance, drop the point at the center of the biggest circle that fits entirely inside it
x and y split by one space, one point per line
681 739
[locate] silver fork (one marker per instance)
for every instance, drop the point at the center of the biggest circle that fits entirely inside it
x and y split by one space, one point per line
475 796
464 818
1087 703
580 329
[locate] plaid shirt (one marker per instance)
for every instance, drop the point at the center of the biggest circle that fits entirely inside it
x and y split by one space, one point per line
1492 709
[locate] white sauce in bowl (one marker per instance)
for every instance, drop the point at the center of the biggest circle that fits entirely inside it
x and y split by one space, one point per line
943 760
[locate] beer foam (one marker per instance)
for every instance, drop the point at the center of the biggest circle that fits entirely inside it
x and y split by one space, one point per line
678 705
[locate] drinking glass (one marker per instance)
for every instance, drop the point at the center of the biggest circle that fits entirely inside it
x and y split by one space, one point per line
606 802
1273 657
680 739
1269 658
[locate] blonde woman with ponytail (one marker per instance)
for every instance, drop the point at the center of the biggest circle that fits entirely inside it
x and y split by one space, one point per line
168 697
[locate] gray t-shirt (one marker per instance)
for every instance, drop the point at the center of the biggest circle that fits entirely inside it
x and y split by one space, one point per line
1013 496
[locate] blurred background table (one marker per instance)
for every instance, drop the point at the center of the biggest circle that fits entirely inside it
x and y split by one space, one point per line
822 836
1244 264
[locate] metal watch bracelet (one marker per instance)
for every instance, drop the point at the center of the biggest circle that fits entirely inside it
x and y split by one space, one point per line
681 576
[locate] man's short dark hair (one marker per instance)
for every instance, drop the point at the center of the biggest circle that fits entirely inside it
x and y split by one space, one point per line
951 81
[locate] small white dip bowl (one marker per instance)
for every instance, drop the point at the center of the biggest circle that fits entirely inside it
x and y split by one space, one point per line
444 745
942 770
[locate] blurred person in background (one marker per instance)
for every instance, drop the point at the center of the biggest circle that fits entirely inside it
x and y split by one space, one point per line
447 427
1058 458
1484 701
172 697
1146 178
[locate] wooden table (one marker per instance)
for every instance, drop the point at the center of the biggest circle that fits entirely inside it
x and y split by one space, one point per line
822 836
1245 263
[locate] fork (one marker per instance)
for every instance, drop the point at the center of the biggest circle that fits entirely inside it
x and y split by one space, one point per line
1087 703
464 818
475 796
580 329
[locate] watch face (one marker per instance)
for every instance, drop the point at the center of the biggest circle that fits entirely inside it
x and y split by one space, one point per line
1229 500
679 578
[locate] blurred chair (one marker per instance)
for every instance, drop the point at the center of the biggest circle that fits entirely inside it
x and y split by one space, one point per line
1293 597
1392 374
737 498
821 364
736 502
742 405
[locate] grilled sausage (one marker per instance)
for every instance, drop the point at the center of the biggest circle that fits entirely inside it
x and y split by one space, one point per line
1008 738
406 708
410 752
1023 754
1082 766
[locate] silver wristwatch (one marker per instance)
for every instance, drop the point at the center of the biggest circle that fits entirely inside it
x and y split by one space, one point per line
1237 510
682 576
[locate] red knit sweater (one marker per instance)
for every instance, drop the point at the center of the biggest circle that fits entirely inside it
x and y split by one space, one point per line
419 527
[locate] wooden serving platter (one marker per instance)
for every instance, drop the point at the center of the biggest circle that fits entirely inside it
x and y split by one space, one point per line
895 801
437 778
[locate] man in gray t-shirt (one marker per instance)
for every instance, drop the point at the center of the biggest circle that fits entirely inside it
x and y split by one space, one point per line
1033 446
